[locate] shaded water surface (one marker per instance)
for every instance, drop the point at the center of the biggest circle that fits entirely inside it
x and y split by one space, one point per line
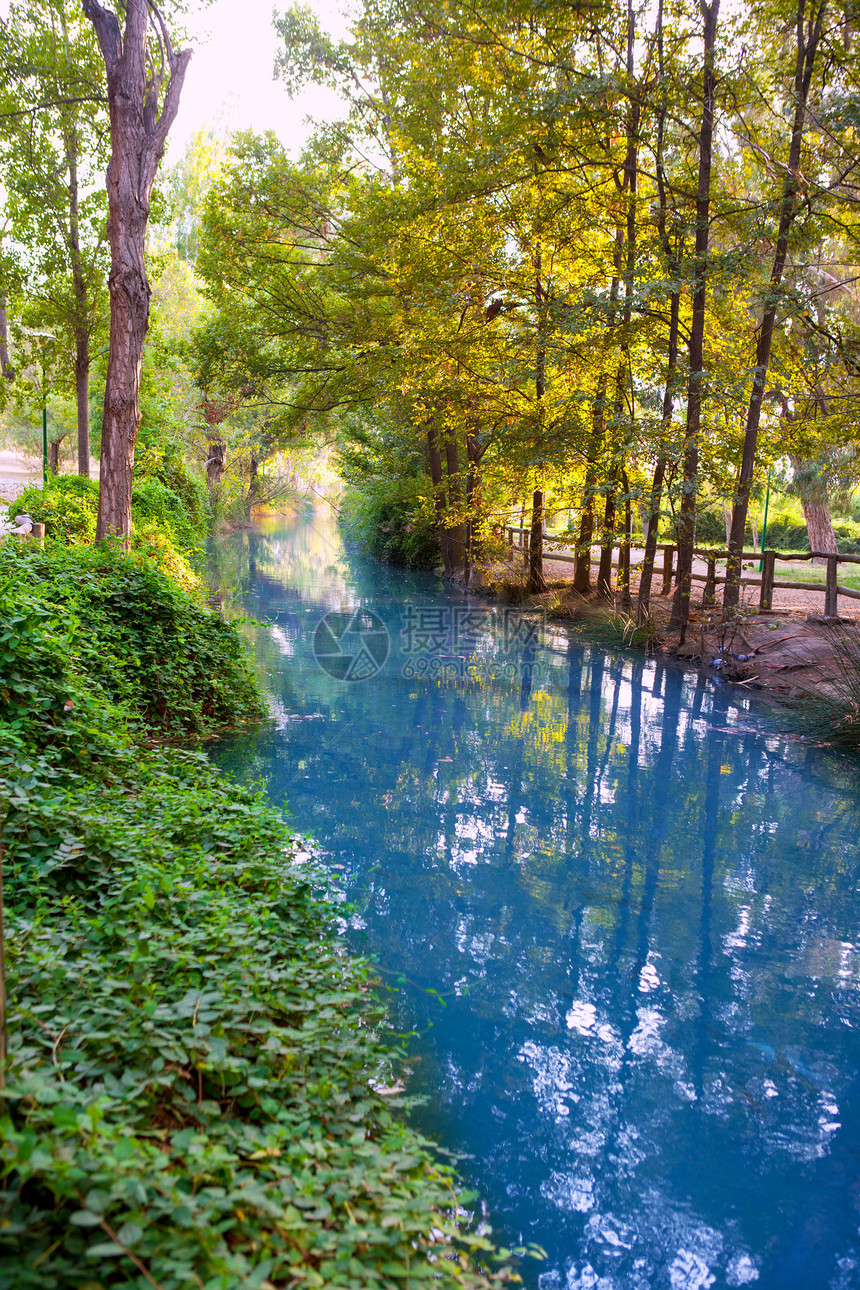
624 916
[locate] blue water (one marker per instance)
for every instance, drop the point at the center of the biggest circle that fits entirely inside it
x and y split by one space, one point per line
623 915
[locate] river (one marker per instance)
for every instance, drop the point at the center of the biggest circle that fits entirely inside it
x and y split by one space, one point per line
621 913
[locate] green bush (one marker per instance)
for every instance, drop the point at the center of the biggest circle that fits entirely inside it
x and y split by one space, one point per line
189 1088
164 462
389 520
153 503
69 509
138 638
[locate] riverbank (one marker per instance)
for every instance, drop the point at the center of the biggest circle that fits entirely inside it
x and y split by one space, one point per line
790 652
198 1090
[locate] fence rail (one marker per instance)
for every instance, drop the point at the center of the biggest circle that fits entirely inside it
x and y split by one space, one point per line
768 582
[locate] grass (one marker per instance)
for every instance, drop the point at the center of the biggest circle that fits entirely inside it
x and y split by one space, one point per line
830 714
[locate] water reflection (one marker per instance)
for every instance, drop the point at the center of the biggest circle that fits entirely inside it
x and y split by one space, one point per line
623 914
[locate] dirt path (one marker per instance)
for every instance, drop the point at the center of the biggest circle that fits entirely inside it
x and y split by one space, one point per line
18 470
785 600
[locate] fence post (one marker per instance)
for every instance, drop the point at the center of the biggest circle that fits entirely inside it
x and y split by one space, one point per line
830 601
709 595
668 558
768 564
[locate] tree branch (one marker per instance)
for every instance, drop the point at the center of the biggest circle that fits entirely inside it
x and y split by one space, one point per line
107 30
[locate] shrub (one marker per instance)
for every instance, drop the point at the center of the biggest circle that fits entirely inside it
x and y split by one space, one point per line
192 1060
140 640
69 508
390 520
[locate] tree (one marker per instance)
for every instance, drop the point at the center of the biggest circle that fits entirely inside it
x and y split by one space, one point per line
809 27
53 141
687 527
144 78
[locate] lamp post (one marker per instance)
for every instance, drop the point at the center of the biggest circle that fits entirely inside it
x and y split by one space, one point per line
764 522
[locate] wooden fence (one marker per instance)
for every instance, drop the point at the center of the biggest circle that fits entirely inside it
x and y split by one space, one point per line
831 589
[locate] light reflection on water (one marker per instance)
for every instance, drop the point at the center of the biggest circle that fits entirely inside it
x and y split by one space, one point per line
622 913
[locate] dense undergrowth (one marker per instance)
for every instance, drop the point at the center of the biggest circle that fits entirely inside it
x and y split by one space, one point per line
390 524
191 1090
167 526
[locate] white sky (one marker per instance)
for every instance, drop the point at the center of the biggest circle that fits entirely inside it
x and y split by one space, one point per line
229 83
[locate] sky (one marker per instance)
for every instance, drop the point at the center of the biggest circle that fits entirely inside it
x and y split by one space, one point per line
229 83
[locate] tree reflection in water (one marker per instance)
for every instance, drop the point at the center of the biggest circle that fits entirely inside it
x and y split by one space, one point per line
625 917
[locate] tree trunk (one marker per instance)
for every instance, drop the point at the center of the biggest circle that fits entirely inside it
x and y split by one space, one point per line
138 135
604 572
812 492
5 366
82 396
473 492
79 287
216 463
582 555
807 47
253 487
54 456
687 520
820 527
440 501
536 583
624 550
456 531
670 255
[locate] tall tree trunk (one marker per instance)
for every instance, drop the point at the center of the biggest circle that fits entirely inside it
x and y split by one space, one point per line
5 366
687 519
454 518
807 37
440 501
79 287
604 571
473 488
625 257
82 397
536 582
253 486
582 554
652 523
138 135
